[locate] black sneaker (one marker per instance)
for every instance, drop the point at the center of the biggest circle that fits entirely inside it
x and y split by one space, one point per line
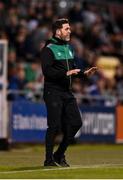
50 163
61 161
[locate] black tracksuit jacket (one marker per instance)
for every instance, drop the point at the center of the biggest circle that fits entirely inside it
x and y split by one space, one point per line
57 58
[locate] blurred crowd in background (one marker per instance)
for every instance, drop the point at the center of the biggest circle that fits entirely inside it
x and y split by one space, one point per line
97 31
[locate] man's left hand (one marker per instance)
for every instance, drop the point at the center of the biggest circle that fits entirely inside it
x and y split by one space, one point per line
91 71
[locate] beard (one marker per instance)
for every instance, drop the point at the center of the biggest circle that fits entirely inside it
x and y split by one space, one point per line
65 38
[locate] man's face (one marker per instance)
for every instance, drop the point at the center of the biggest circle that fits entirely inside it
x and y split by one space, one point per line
64 32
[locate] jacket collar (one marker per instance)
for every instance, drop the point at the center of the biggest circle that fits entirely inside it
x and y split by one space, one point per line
57 40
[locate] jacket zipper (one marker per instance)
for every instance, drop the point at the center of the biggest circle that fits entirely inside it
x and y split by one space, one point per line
68 67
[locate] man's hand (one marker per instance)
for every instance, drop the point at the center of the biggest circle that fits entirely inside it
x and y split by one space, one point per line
73 71
90 71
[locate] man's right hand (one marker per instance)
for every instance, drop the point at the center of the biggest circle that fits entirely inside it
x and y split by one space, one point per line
73 71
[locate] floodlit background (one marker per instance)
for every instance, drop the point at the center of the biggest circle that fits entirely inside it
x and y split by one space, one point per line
97 38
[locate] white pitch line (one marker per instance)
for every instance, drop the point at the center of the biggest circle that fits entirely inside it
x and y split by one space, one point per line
63 168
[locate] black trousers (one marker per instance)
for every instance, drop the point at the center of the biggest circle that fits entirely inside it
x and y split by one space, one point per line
62 115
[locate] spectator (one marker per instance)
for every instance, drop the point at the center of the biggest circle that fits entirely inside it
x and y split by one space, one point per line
18 83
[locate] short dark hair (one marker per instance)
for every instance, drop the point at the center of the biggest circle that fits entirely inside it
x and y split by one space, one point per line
58 24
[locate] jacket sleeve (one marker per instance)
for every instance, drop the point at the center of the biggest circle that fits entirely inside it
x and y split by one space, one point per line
48 66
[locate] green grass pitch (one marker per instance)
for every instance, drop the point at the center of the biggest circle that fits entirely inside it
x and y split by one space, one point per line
87 161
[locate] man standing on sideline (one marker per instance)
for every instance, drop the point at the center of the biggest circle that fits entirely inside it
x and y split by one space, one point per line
58 67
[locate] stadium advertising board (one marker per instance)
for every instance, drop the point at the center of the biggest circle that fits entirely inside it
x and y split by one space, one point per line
98 124
28 123
119 127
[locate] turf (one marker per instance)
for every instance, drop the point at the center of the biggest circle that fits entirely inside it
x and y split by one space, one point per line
87 161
